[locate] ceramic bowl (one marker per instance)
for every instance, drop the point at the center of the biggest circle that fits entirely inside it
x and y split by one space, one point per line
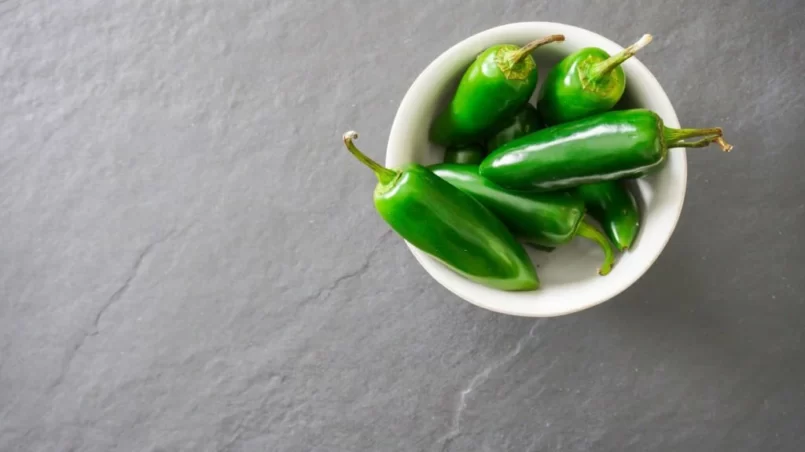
568 275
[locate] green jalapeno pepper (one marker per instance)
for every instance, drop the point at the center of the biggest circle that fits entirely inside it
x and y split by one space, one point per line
607 146
584 83
449 225
498 82
468 153
541 219
525 121
614 207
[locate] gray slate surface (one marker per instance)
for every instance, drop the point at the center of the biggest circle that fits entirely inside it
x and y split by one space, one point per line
191 262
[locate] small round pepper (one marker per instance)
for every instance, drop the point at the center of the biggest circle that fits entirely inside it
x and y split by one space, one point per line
497 83
584 83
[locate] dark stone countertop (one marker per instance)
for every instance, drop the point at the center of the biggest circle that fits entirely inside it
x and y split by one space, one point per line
190 261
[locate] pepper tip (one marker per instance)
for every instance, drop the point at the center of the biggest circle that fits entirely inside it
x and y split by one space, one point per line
350 135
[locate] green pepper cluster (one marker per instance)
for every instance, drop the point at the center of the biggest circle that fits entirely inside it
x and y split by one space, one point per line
516 173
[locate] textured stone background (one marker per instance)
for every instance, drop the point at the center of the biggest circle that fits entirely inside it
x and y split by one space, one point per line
191 262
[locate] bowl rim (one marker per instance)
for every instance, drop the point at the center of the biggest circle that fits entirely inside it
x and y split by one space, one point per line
491 36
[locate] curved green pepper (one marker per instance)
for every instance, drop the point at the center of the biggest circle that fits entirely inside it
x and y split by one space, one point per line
525 121
584 83
449 225
500 80
607 146
542 219
614 207
469 153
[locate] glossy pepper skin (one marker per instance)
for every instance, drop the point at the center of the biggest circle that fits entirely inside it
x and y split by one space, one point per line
586 82
525 121
469 153
615 209
497 83
449 225
608 146
542 219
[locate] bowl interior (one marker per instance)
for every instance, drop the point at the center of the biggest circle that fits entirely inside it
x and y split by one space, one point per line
569 277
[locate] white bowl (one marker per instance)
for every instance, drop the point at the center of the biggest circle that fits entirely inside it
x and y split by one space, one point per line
568 275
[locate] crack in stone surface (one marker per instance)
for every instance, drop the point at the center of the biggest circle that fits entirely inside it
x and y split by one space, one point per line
135 270
476 381
117 295
326 291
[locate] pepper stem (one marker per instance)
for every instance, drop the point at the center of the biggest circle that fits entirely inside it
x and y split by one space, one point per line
526 49
384 175
603 68
726 147
675 138
703 143
587 231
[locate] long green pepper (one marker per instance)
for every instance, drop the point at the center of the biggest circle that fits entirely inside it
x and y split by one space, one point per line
607 146
449 225
542 219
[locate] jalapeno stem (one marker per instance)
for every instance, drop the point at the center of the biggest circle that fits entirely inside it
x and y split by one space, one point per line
384 175
672 135
703 143
603 68
526 49
587 231
674 138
